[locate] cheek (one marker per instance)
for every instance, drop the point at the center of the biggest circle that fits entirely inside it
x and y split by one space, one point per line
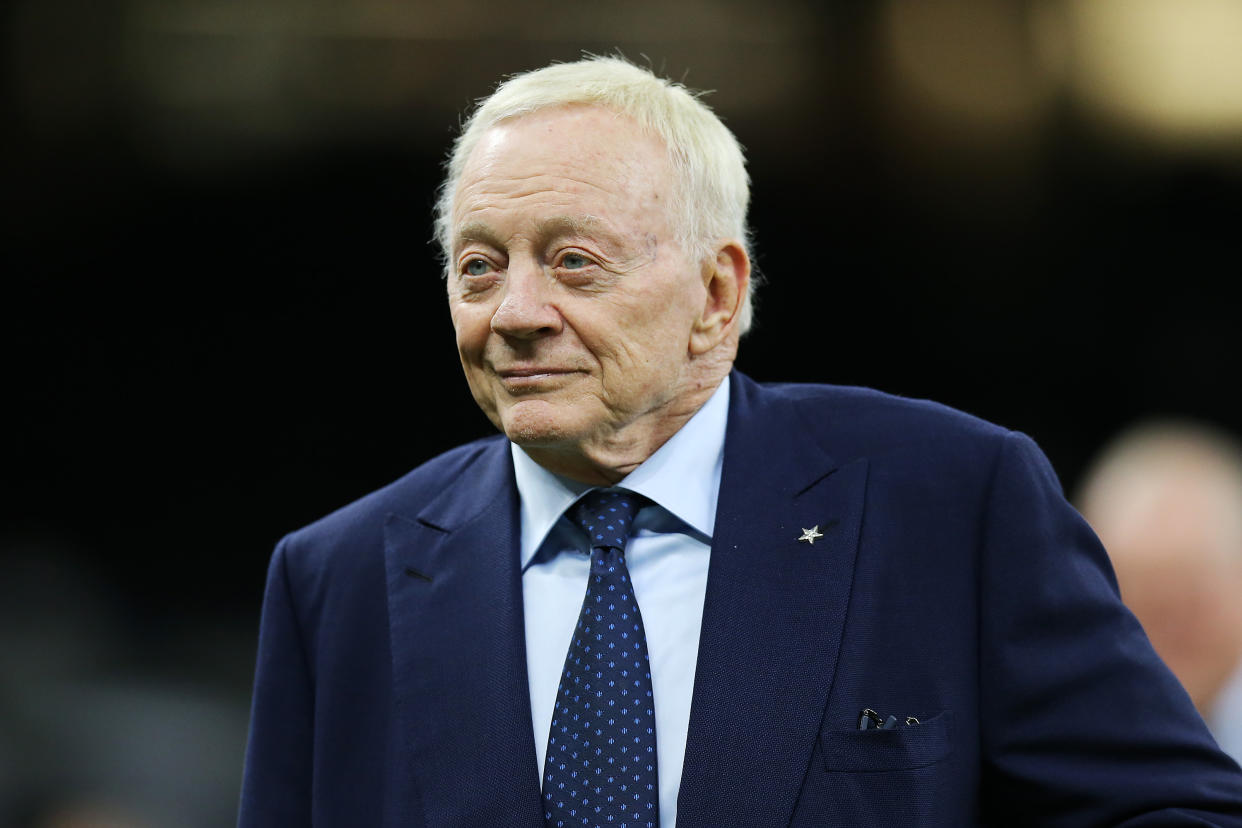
661 328
633 345
472 327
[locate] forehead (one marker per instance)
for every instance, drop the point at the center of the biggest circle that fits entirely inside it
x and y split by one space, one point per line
566 154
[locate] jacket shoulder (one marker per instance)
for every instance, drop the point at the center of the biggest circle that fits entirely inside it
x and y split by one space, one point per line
361 522
852 421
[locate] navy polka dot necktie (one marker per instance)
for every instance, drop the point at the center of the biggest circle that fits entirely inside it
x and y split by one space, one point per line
600 769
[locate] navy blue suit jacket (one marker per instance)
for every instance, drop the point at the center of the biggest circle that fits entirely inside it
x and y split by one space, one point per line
952 583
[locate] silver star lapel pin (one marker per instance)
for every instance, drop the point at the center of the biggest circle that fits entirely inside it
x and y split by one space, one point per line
809 535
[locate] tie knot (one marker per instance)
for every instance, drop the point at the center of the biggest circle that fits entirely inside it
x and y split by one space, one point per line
606 516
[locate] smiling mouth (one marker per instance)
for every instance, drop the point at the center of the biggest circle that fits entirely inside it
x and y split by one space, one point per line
533 379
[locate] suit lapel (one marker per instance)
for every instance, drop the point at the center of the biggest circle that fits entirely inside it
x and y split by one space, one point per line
459 655
773 617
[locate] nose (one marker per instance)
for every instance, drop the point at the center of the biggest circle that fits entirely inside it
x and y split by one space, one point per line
525 311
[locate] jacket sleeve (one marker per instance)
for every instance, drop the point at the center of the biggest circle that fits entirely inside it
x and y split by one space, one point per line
276 785
1081 724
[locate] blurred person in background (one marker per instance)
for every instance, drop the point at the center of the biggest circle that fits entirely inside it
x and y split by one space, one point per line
1165 497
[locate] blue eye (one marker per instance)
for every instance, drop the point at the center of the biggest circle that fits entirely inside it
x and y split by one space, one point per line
477 267
574 261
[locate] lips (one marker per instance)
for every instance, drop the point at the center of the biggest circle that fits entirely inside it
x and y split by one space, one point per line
534 378
522 373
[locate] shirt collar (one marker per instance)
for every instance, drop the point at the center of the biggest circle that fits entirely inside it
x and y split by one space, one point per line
682 476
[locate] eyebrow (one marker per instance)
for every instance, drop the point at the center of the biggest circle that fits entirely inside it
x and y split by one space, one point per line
552 227
475 231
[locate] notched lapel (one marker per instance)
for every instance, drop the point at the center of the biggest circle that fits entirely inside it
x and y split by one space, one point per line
773 619
459 657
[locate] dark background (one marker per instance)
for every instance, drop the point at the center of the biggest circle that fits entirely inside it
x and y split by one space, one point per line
223 317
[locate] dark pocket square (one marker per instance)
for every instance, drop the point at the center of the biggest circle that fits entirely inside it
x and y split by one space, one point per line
903 748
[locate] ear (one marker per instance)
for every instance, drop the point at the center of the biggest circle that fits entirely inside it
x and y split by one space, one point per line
726 279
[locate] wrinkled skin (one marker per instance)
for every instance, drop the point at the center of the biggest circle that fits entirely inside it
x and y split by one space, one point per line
587 334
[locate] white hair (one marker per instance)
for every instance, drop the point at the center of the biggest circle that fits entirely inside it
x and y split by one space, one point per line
712 189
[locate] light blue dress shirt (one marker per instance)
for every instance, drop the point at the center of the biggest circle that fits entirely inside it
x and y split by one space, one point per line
667 557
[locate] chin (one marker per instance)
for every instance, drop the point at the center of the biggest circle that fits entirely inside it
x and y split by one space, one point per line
537 424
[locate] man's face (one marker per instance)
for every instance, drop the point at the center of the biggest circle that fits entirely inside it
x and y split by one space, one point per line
572 301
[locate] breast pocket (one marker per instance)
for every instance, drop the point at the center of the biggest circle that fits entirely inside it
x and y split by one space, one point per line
905 747
885 779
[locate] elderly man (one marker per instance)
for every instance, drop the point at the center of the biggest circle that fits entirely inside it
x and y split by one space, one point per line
668 595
